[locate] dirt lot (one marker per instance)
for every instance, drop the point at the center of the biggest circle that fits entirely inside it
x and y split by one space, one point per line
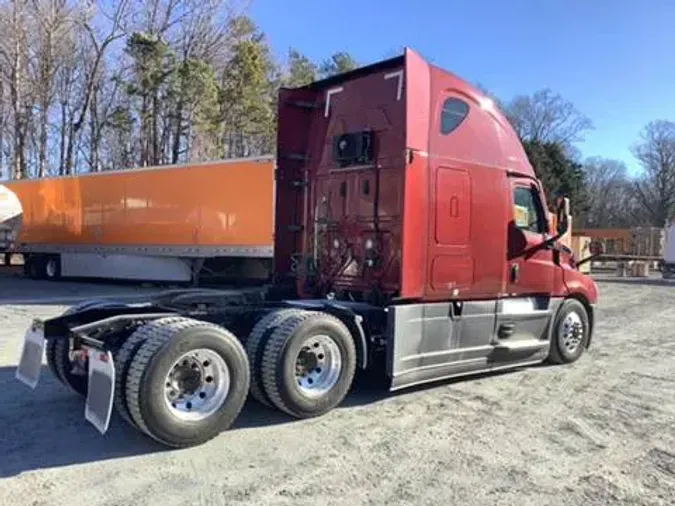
599 432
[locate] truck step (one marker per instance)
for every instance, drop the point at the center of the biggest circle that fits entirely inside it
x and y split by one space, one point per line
530 344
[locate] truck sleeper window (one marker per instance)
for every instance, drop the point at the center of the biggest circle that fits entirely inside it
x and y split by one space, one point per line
527 211
453 113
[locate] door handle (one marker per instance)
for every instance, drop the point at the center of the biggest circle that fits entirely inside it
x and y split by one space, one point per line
515 272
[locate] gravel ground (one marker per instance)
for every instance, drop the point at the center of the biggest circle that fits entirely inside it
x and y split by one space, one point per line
599 432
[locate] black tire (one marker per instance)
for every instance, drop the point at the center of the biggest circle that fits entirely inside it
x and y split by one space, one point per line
559 353
36 267
27 266
278 368
58 359
52 267
50 352
255 348
78 383
123 359
145 383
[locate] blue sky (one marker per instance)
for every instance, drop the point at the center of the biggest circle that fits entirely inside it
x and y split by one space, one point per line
614 59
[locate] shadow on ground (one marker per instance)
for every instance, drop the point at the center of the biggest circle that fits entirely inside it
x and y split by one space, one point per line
45 428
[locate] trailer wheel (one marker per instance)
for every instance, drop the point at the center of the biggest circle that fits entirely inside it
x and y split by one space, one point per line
26 268
35 267
255 347
52 267
309 364
187 382
570 333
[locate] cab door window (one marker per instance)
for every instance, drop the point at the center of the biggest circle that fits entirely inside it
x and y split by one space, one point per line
528 211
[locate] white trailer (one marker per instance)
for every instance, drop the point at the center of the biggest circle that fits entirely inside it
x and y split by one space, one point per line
668 269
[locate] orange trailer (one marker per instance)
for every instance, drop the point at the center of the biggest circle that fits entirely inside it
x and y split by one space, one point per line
168 223
636 241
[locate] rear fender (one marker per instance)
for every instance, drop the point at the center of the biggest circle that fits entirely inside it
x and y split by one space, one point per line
98 316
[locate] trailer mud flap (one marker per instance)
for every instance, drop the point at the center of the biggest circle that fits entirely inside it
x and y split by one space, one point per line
30 363
99 405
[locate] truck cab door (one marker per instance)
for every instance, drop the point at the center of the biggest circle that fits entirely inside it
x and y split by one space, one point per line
523 313
531 267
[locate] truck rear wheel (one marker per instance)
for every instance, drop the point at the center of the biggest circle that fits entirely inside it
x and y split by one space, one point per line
255 347
50 349
78 383
123 359
570 333
309 364
58 360
187 382
58 352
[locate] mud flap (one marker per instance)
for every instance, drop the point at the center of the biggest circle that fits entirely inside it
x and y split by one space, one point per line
30 363
99 404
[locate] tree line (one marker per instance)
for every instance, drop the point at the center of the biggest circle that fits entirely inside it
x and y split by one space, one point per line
104 85
602 192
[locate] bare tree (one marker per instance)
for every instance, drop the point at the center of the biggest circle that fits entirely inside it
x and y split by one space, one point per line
73 97
610 195
3 114
546 117
54 22
14 68
66 79
100 45
656 188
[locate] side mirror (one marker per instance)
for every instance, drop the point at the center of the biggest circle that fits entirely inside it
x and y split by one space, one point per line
562 213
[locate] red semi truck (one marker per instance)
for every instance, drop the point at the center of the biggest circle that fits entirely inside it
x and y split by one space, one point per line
410 232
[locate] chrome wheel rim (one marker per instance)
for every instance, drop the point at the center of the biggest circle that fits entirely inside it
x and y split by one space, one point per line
197 385
571 332
318 365
50 268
